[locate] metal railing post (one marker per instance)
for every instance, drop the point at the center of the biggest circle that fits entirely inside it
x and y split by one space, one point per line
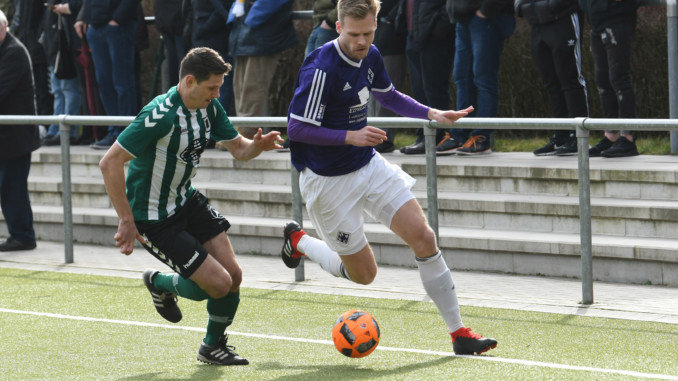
297 215
584 211
672 50
431 178
65 132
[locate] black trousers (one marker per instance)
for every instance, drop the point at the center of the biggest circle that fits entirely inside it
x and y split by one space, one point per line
556 49
611 50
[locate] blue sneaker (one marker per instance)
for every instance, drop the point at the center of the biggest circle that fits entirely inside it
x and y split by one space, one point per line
104 143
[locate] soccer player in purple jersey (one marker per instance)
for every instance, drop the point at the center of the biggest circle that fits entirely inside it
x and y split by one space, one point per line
341 174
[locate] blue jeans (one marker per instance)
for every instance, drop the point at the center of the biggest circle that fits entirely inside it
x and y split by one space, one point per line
16 206
429 67
174 45
318 38
113 55
67 100
476 67
226 95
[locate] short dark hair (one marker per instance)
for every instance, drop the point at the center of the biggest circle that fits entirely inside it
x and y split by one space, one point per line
202 63
358 9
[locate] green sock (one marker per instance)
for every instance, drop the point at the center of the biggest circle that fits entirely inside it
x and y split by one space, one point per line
183 287
221 313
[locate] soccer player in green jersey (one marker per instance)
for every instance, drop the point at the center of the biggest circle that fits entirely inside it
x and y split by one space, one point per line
158 206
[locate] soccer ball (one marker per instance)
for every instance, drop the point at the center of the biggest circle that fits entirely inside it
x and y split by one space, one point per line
356 333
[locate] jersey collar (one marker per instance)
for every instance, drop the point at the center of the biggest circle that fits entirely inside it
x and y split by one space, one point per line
344 56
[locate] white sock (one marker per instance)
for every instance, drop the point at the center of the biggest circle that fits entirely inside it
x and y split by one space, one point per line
437 280
318 251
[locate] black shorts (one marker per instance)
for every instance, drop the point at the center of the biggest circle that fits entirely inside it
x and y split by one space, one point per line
177 241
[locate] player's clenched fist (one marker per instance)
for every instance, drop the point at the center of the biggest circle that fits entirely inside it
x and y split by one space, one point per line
366 136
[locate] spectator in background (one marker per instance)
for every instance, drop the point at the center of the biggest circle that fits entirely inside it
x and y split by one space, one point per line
612 26
7 6
66 91
169 22
430 54
261 30
482 27
27 27
209 29
390 38
111 27
556 50
324 22
16 142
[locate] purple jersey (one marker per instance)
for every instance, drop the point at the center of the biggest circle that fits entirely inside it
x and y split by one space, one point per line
332 91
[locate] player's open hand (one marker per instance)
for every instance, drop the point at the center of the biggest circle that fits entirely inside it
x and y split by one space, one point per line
124 238
366 136
449 116
267 142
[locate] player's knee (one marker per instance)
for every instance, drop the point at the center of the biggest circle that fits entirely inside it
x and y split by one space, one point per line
365 276
220 289
236 279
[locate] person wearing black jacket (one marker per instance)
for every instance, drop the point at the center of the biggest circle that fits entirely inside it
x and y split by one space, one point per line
482 27
613 23
169 21
430 54
16 142
556 50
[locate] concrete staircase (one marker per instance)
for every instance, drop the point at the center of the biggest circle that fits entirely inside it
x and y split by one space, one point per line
506 212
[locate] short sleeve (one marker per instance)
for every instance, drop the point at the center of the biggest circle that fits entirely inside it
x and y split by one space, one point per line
310 96
145 130
382 82
223 128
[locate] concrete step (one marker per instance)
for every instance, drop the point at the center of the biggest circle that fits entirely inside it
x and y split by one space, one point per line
540 213
619 259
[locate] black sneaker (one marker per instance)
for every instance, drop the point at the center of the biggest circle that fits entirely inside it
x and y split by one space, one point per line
416 148
384 147
621 147
220 354
601 146
165 302
475 145
448 146
13 245
547 150
289 253
569 148
104 143
285 146
466 342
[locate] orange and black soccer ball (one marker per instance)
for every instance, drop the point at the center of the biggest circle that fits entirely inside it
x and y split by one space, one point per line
356 333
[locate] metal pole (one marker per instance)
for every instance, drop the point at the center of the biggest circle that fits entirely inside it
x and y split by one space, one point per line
672 41
431 177
65 132
297 215
584 211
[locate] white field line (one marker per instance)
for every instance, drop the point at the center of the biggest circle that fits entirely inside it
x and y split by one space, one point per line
327 342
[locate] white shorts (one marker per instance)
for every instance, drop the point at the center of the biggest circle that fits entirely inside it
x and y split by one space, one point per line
336 203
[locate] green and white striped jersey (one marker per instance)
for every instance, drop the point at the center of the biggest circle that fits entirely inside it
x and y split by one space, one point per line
166 140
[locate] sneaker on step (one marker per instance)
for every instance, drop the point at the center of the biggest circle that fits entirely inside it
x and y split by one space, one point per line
466 342
385 147
220 354
549 149
165 302
104 143
475 145
569 148
289 253
621 147
448 146
416 148
601 146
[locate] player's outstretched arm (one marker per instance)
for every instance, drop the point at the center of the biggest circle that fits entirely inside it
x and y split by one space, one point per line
112 168
245 149
449 116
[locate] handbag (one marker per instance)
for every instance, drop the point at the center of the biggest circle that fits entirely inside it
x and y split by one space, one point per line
64 65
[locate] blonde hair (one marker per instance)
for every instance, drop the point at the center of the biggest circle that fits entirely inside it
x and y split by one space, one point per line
357 9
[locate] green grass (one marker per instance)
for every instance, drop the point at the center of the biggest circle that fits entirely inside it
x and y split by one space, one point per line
42 347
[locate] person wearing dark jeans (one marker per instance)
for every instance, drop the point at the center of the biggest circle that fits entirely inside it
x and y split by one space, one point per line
556 50
16 141
481 30
612 28
430 54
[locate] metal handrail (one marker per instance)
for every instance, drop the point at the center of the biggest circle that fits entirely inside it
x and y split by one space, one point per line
582 126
